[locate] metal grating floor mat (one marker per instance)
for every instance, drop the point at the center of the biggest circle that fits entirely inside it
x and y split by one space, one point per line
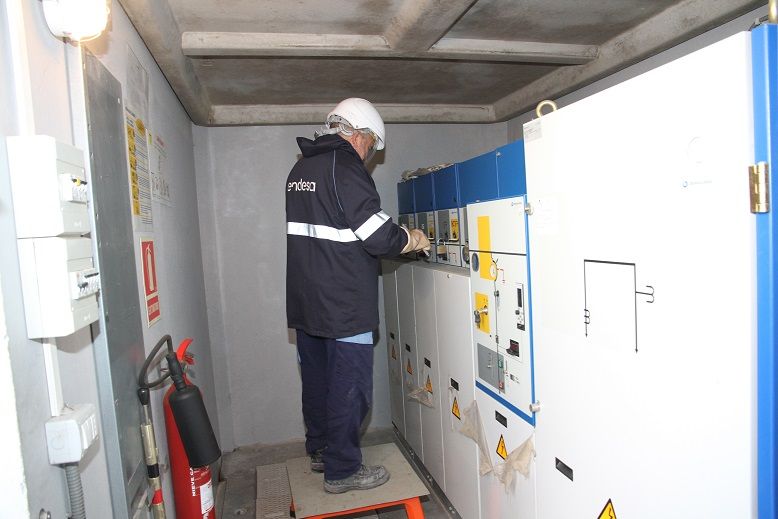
273 493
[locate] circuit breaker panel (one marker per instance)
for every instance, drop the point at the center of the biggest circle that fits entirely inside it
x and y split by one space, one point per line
448 202
60 279
502 346
498 270
426 222
643 254
449 247
424 203
407 220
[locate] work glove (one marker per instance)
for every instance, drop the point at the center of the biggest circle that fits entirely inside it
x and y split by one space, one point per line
417 241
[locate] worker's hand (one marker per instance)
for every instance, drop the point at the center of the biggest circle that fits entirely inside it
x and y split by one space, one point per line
424 244
417 241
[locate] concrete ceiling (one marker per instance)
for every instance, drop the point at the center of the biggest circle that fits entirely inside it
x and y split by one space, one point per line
289 61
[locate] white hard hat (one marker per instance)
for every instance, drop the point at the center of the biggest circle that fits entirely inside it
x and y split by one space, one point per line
360 115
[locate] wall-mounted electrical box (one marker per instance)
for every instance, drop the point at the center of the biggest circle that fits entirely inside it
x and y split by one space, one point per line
59 278
49 187
69 435
59 284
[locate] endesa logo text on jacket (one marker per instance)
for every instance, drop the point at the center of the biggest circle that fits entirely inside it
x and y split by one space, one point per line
301 185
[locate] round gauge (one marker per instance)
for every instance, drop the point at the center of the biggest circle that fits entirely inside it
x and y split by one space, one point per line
493 270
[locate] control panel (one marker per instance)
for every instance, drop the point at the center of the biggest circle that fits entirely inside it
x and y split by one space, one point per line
499 281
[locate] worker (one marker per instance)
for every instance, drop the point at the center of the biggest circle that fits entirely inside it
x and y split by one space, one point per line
336 233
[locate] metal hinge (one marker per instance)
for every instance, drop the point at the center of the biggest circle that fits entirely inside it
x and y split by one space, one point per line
759 187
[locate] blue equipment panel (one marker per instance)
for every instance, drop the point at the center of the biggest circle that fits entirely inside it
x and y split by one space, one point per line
405 203
764 44
511 171
445 183
478 179
423 194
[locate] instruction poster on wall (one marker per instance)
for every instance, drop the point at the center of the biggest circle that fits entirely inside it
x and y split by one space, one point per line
137 87
160 185
150 286
140 179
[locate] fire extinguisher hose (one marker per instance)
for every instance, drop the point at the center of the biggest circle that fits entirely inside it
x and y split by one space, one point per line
151 453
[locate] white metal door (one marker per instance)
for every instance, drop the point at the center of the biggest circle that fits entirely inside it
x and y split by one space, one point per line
393 346
643 287
457 376
410 371
429 379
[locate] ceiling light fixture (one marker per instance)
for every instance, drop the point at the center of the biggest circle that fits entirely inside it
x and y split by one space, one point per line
76 20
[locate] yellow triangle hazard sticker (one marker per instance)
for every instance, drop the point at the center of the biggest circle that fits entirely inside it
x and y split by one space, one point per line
608 512
455 409
428 386
409 368
394 353
502 451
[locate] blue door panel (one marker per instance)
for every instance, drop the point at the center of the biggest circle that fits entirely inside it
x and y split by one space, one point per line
405 198
511 172
445 182
423 194
478 179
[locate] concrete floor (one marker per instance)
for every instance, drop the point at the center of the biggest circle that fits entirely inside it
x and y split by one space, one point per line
237 490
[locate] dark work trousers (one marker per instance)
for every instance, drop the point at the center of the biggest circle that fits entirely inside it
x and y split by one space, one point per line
337 393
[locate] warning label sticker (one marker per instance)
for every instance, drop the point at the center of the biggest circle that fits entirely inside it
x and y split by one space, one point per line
455 409
608 512
502 451
428 385
409 368
394 353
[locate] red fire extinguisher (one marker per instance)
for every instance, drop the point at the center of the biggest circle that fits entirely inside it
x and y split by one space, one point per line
192 487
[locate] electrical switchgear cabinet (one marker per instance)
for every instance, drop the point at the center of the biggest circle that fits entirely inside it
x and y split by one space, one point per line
502 345
455 353
643 263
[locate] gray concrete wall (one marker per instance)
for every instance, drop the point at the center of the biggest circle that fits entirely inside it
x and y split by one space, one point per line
56 108
240 177
12 478
743 23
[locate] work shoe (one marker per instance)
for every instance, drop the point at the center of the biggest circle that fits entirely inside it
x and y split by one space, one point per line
317 461
368 476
